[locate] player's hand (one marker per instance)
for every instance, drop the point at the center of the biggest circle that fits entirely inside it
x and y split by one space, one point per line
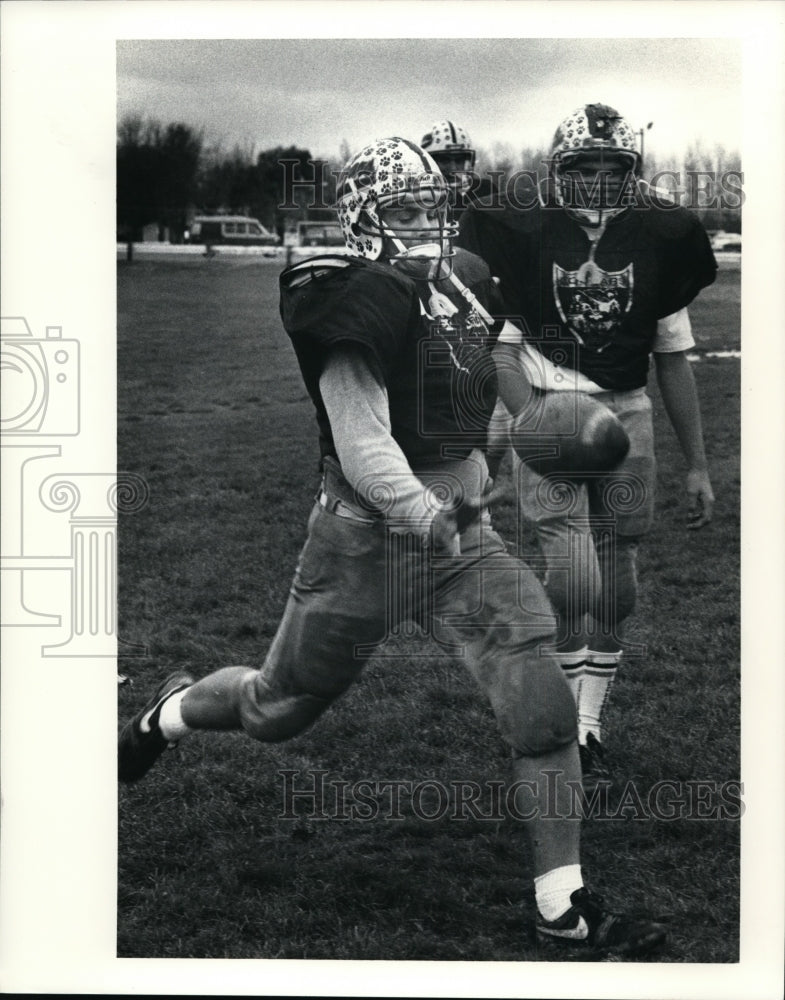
700 498
444 537
449 522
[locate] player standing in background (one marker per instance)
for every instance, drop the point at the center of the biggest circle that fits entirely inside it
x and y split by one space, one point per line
599 274
450 146
397 351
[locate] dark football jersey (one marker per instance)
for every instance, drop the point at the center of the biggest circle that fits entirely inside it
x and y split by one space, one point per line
594 309
476 190
424 343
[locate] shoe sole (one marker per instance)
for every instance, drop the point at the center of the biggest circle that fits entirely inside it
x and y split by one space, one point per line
641 946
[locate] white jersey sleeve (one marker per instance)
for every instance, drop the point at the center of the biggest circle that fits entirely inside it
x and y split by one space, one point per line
358 410
674 333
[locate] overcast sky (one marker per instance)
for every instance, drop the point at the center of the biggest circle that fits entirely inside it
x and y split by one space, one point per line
316 92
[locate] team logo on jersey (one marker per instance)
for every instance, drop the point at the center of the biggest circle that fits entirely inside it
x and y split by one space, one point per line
592 303
462 330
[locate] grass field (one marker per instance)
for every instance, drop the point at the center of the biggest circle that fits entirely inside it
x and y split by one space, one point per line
213 414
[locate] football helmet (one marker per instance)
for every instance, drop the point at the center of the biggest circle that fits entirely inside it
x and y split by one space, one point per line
598 138
451 148
394 173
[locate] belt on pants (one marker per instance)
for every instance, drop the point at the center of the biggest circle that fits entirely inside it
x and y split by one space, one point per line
342 509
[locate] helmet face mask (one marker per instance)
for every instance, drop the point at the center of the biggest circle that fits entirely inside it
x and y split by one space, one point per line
392 203
455 164
595 188
417 231
594 164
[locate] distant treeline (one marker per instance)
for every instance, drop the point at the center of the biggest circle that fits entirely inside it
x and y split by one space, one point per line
166 174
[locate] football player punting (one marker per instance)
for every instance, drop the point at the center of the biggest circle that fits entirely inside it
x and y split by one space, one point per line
398 352
599 276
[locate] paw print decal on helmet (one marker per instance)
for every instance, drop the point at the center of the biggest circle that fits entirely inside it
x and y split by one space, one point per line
382 169
594 127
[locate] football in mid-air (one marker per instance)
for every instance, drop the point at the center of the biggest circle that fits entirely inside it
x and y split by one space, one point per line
569 433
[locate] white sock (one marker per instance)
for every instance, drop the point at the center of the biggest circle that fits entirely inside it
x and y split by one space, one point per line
598 676
553 890
170 720
572 664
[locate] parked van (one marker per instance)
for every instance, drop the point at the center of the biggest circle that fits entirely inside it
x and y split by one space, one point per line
230 230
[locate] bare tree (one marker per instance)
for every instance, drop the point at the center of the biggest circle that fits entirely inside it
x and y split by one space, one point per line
157 174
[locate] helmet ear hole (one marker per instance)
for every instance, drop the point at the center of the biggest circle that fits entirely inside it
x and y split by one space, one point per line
364 224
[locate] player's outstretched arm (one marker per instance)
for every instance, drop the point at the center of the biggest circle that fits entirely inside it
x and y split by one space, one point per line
680 396
515 389
370 458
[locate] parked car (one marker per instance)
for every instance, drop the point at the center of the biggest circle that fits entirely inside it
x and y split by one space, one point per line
319 234
725 241
230 230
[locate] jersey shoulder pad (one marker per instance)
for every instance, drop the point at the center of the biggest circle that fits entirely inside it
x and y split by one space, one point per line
302 272
688 264
332 299
670 222
328 268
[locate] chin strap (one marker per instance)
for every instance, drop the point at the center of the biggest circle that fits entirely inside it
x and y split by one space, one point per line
472 299
589 273
439 305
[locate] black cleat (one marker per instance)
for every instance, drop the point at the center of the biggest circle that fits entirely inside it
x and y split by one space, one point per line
141 742
589 927
593 763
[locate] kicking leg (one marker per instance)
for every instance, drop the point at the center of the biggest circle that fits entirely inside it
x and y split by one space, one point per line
337 603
